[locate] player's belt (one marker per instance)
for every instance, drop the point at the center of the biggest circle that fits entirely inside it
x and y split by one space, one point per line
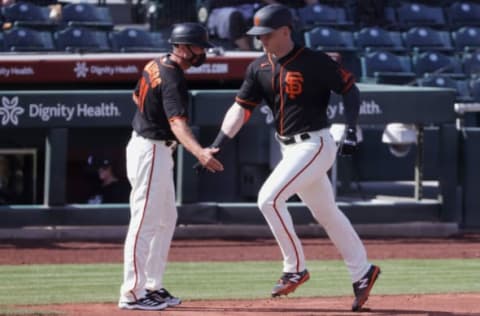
288 140
170 143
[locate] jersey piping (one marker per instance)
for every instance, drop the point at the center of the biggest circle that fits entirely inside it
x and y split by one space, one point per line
280 79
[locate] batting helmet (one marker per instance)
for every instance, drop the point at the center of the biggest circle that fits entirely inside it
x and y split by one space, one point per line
270 18
190 34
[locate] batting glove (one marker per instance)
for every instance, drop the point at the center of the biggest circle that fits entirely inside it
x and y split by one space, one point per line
349 144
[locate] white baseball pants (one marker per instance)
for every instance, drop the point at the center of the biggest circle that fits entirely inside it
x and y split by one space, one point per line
153 216
303 171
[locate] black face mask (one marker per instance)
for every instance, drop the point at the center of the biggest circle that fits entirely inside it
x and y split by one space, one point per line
197 59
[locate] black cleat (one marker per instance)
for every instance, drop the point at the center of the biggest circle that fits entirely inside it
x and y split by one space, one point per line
289 282
147 303
164 295
362 287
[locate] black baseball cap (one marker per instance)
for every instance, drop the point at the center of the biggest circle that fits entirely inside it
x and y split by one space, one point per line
98 162
270 18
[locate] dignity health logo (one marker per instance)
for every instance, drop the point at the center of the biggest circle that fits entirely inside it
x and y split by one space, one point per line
81 69
10 110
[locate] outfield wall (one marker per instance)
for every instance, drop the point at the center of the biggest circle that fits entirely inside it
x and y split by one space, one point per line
57 123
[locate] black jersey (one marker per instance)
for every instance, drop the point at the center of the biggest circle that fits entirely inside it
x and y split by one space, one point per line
161 95
296 87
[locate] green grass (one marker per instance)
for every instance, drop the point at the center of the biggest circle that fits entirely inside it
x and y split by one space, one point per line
66 283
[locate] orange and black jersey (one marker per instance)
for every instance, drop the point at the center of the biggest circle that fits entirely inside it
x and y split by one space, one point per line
160 95
296 87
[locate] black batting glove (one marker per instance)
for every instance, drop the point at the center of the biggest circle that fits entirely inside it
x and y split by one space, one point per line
349 144
199 168
219 141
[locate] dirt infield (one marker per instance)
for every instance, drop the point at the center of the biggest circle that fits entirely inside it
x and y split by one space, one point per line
43 252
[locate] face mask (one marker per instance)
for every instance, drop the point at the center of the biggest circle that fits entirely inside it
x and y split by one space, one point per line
197 59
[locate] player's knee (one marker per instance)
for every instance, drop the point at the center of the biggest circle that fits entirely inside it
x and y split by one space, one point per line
265 202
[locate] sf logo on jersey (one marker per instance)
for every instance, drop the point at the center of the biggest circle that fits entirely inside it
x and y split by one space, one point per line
293 84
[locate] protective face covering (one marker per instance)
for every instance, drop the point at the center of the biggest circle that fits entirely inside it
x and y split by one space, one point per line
197 59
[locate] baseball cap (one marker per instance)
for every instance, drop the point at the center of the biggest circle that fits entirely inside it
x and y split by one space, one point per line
270 18
98 162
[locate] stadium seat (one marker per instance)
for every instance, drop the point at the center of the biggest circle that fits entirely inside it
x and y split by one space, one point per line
418 14
137 40
329 39
386 67
2 48
321 14
461 86
27 14
471 63
391 17
375 38
462 13
425 38
437 63
28 40
467 38
475 89
77 39
87 15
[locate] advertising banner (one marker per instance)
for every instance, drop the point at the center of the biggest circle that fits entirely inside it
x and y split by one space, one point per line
66 108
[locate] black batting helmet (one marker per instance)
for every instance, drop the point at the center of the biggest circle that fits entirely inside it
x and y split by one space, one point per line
190 34
270 18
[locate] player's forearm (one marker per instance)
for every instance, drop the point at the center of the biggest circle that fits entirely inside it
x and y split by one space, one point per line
234 120
351 99
185 136
232 123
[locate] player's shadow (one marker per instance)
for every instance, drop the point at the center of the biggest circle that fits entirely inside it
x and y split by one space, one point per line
314 311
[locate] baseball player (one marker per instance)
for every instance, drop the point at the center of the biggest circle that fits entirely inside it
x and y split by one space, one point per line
296 83
160 122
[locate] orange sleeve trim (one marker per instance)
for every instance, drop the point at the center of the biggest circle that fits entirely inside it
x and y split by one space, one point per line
241 101
348 78
348 87
246 115
178 117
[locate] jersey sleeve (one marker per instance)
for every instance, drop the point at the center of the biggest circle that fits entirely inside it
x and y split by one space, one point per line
249 95
340 80
174 93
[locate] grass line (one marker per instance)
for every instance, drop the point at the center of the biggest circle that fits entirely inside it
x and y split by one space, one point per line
89 283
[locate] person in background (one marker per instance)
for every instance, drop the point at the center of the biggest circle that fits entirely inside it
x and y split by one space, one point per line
112 189
228 20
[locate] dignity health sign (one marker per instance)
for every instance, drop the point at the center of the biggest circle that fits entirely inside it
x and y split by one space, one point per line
66 109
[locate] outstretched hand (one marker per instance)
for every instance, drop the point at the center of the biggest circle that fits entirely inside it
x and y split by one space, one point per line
207 161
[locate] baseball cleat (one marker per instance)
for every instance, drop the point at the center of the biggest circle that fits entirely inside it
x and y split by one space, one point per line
362 287
164 295
147 303
289 282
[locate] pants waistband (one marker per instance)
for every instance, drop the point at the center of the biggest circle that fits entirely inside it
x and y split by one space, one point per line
170 143
300 137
